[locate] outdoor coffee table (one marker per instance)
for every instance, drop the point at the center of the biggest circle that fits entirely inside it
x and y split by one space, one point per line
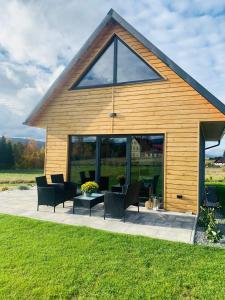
87 201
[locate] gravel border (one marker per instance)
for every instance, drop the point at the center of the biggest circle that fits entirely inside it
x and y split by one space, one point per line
200 237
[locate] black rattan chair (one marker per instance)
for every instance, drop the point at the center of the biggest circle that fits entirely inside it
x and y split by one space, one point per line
115 204
103 183
70 188
92 175
147 186
83 177
49 194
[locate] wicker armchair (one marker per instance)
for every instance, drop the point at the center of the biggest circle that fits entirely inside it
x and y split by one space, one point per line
49 194
115 204
69 187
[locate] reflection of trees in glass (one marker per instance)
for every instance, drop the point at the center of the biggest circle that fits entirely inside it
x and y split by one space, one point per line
147 159
113 147
113 158
82 156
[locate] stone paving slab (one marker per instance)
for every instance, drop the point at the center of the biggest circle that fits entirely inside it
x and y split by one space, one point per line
163 225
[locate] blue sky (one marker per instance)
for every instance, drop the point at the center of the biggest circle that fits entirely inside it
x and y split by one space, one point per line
38 38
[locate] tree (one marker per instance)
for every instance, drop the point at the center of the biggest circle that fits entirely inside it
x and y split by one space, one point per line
10 162
6 154
32 156
18 149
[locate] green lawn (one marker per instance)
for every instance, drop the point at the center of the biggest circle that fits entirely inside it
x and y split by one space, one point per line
41 260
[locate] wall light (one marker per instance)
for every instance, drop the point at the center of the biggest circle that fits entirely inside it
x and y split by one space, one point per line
112 115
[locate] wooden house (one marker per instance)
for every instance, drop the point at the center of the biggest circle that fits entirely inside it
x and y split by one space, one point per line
120 89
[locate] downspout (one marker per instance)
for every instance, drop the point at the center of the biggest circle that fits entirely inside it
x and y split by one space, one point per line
218 143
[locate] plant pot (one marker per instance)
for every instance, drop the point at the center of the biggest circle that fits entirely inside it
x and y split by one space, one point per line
155 203
87 194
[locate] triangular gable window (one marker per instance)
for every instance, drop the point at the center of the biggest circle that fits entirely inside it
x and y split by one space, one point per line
116 64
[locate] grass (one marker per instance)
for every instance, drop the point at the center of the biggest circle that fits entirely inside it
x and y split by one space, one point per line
41 260
14 178
26 175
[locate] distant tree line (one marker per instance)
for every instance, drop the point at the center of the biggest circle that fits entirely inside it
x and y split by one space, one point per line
20 156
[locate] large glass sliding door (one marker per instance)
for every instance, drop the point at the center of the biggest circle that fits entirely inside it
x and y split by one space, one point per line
82 157
147 161
113 158
136 157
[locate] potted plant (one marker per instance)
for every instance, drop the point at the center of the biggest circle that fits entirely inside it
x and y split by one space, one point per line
89 187
121 179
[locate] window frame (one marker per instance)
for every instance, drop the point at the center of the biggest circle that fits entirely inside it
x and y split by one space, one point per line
114 39
128 154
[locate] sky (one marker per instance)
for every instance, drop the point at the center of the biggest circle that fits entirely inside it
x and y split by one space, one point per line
39 38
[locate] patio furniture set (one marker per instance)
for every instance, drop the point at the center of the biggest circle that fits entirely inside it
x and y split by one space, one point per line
60 191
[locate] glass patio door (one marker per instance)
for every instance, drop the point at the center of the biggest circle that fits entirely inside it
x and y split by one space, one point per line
113 158
82 160
147 163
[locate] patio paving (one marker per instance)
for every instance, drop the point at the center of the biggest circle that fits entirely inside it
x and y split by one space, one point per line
163 225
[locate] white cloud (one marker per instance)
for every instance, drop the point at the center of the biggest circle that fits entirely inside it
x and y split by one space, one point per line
38 38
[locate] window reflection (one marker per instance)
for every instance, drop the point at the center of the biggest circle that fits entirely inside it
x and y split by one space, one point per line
130 67
82 157
137 158
113 159
147 162
102 70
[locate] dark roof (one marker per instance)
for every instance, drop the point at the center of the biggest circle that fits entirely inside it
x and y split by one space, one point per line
114 16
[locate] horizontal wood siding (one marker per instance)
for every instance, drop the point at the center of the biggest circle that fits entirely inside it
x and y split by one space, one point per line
170 106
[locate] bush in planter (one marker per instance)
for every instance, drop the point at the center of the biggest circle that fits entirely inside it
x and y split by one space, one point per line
89 187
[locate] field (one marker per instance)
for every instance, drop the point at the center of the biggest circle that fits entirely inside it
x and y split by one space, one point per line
13 178
41 260
214 173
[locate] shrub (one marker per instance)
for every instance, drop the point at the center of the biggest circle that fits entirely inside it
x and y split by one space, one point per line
213 233
208 221
203 219
89 187
23 187
5 188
